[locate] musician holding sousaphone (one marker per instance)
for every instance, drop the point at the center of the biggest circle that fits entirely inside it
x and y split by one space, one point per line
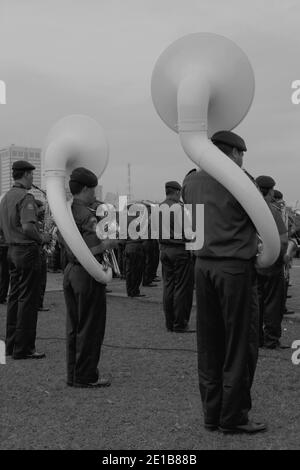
84 296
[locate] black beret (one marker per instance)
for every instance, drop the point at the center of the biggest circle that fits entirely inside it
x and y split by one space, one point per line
265 182
278 194
85 177
173 185
229 138
22 165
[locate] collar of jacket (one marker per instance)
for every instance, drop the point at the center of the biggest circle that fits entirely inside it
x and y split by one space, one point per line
19 185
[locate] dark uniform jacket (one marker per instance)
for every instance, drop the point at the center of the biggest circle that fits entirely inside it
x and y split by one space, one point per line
86 222
17 207
174 227
282 229
228 230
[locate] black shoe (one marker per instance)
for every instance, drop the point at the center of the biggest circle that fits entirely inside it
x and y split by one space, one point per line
211 427
249 428
137 295
108 291
276 347
282 346
289 312
34 355
44 309
288 296
101 383
184 330
150 285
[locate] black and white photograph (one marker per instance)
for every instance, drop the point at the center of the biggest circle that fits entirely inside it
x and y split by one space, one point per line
149 228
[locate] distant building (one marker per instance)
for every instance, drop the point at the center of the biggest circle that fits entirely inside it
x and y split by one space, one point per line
11 154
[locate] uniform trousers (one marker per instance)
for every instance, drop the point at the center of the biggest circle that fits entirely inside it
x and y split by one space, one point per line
4 273
155 258
85 301
121 258
148 262
178 282
43 278
271 295
134 262
22 307
227 338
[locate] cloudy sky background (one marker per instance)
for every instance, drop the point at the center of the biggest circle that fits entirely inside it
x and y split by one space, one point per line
96 57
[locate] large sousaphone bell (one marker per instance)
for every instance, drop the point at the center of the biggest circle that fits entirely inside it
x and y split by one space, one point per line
75 141
203 83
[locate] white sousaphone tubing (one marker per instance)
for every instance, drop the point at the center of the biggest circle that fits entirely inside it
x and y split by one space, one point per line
203 83
75 141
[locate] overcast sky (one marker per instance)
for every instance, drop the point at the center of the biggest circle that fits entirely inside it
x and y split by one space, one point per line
96 57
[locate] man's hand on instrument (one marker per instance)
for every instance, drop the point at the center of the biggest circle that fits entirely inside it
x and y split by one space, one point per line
46 238
104 245
108 244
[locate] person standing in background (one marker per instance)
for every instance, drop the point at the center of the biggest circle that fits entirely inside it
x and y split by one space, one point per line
19 227
177 267
271 282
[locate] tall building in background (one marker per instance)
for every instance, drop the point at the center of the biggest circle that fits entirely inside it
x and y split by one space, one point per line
11 154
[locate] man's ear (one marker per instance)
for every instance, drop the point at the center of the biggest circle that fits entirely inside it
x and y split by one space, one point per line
234 153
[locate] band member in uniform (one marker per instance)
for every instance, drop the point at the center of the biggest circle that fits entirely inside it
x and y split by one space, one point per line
149 255
85 297
18 225
177 269
134 264
279 202
227 314
271 282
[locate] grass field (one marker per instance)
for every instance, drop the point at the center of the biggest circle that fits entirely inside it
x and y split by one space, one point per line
153 402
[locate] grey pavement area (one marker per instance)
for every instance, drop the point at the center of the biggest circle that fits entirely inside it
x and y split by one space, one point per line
154 294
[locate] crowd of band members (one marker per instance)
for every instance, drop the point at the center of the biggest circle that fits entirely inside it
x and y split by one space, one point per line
263 292
139 259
